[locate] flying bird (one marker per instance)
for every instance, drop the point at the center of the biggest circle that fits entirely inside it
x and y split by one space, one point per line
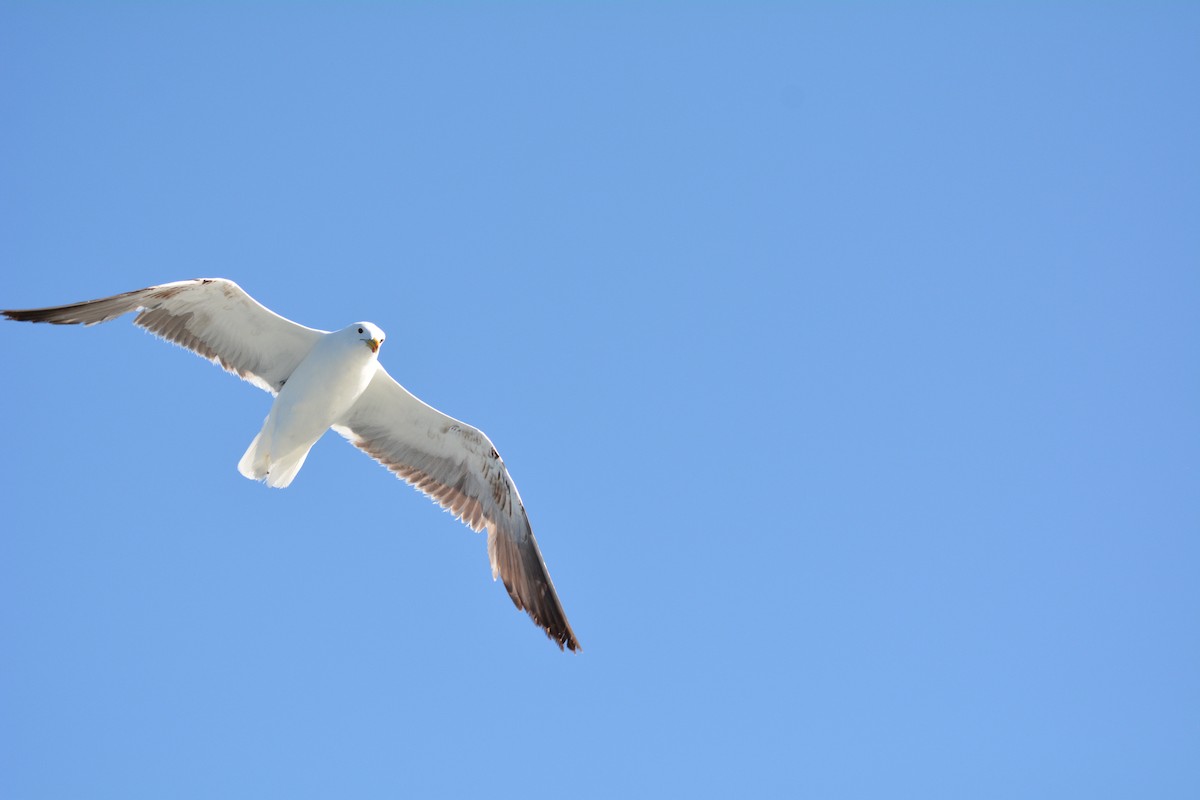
333 379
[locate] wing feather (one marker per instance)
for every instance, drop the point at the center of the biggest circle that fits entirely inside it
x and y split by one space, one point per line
457 466
213 317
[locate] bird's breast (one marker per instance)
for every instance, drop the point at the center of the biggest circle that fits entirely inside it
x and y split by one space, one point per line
325 385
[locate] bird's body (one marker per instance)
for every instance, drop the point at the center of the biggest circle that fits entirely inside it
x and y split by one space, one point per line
318 393
334 379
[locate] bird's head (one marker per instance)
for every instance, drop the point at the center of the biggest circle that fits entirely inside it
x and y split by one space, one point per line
368 333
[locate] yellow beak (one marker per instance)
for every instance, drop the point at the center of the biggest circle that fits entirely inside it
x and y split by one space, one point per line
374 345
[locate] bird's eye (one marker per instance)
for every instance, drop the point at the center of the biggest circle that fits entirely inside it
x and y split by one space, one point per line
360 330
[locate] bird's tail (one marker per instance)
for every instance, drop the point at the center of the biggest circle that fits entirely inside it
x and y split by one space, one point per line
256 462
260 464
283 470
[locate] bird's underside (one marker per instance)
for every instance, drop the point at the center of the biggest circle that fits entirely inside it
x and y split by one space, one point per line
329 379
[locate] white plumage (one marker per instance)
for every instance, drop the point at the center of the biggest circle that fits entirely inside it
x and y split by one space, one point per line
321 390
334 379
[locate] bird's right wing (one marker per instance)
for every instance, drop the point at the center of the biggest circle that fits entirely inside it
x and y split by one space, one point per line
212 317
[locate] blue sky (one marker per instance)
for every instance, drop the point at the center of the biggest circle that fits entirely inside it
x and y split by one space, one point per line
845 357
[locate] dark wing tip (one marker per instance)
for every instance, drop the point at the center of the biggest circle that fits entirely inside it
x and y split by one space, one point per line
88 312
558 631
38 315
528 583
555 624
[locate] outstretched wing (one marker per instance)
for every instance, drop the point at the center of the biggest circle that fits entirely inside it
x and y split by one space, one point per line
213 317
457 466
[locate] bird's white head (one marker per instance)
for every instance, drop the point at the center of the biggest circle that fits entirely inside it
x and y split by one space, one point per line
368 333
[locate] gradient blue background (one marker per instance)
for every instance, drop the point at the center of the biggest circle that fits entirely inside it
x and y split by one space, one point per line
846 358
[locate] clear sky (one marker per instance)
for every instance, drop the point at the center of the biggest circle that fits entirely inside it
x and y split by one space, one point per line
845 355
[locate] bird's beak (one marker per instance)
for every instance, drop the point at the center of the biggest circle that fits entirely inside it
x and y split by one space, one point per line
373 344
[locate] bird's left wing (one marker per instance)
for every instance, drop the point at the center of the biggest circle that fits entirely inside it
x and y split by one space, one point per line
213 317
457 466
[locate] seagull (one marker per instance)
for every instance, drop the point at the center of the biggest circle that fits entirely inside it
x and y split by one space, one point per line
333 379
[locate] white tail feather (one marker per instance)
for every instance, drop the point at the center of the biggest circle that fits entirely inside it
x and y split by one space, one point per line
259 464
283 470
256 461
